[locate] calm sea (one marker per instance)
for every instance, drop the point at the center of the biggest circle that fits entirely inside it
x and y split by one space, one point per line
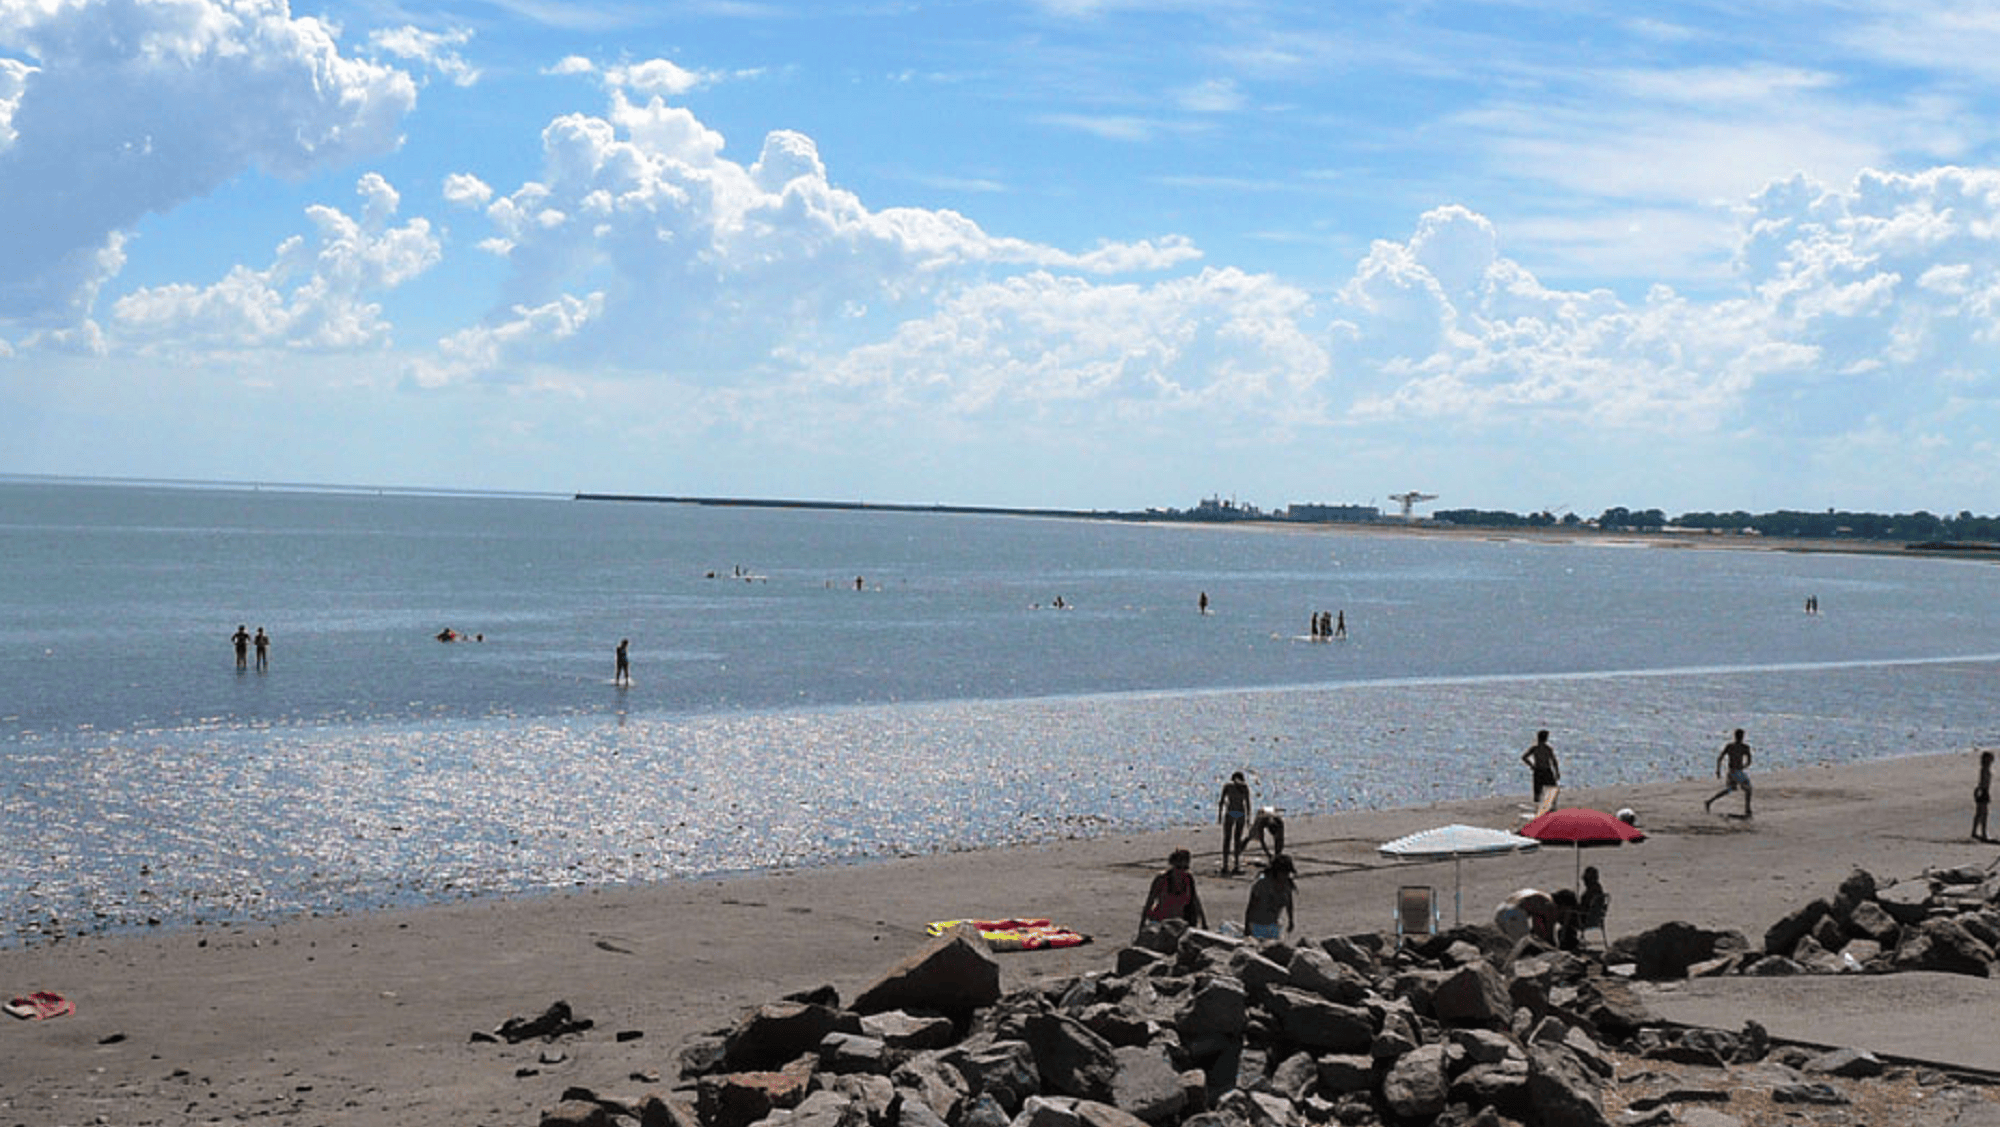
778 716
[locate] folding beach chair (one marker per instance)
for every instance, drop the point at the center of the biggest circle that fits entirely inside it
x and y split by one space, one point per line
1593 917
1416 911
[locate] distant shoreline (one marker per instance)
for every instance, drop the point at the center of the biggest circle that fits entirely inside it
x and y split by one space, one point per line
1391 527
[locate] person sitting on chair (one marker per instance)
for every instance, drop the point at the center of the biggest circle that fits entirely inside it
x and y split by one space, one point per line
1594 903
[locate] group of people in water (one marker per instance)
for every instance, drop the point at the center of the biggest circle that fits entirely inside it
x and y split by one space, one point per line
1327 625
245 642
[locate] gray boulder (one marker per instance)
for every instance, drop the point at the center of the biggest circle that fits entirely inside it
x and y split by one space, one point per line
1416 1087
954 973
1315 1023
1070 1058
1146 1086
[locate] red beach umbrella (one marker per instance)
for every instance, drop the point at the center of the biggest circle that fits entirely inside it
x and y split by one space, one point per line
1580 826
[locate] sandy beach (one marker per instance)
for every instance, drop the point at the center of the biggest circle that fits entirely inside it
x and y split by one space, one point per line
369 1018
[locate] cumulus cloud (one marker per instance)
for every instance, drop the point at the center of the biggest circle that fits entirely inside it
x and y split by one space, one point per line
317 293
697 263
124 108
434 49
1865 307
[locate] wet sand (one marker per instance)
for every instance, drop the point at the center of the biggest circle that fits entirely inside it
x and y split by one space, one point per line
368 1018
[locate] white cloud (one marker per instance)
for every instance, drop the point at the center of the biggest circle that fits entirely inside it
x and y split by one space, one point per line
431 48
709 268
1215 95
463 188
317 293
134 108
655 77
1871 307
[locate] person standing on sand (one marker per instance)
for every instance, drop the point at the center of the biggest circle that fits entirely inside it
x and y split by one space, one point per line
241 640
1173 896
1542 765
1982 794
1268 820
1273 892
263 643
622 675
1736 754
1232 809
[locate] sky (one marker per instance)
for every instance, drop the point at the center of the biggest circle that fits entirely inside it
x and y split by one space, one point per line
1561 255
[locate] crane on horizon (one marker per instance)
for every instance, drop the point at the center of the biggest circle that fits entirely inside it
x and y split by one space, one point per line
1410 500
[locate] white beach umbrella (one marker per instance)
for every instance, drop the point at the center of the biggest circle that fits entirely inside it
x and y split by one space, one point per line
1457 842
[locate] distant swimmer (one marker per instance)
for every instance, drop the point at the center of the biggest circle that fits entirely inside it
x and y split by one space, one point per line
1340 625
622 675
448 635
263 644
1203 604
858 585
241 640
1059 604
1542 765
1735 755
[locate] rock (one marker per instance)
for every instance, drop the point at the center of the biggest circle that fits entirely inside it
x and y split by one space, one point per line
1146 1086
1781 937
1070 1058
1472 995
953 973
1773 966
1667 951
556 1021
1870 920
929 1079
1849 1063
984 1111
1828 933
1295 1078
576 1113
904 1030
1801 1093
1340 1073
738 1099
1612 1008
1004 1071
1039 1112
844 1053
1415 1086
1907 902
774 1033
1857 889
1943 944
1313 1022
1255 972
1218 1006
1563 1090
910 1110
1313 970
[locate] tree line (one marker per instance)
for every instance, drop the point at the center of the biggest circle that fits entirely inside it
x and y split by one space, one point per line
1917 527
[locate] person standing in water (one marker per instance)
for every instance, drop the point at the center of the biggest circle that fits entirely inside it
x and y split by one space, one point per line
1203 603
241 640
622 675
1340 624
1736 756
1232 809
1542 765
263 643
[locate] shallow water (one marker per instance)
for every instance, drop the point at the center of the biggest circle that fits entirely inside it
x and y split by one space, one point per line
792 720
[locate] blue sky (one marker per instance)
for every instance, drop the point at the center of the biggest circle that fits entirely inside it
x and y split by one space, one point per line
1074 253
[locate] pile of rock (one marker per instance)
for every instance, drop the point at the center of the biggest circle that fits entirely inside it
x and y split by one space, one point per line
1190 1028
1946 920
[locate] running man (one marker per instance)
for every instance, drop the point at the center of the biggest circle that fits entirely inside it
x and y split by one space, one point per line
1736 755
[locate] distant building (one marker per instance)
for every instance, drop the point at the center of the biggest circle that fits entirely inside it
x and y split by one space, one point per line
1333 514
1215 508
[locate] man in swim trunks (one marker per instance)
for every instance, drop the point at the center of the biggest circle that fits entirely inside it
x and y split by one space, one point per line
1272 893
1736 755
1232 809
621 674
263 643
241 640
1541 761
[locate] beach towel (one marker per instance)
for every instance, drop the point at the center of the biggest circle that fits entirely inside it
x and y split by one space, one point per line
1016 934
39 1005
